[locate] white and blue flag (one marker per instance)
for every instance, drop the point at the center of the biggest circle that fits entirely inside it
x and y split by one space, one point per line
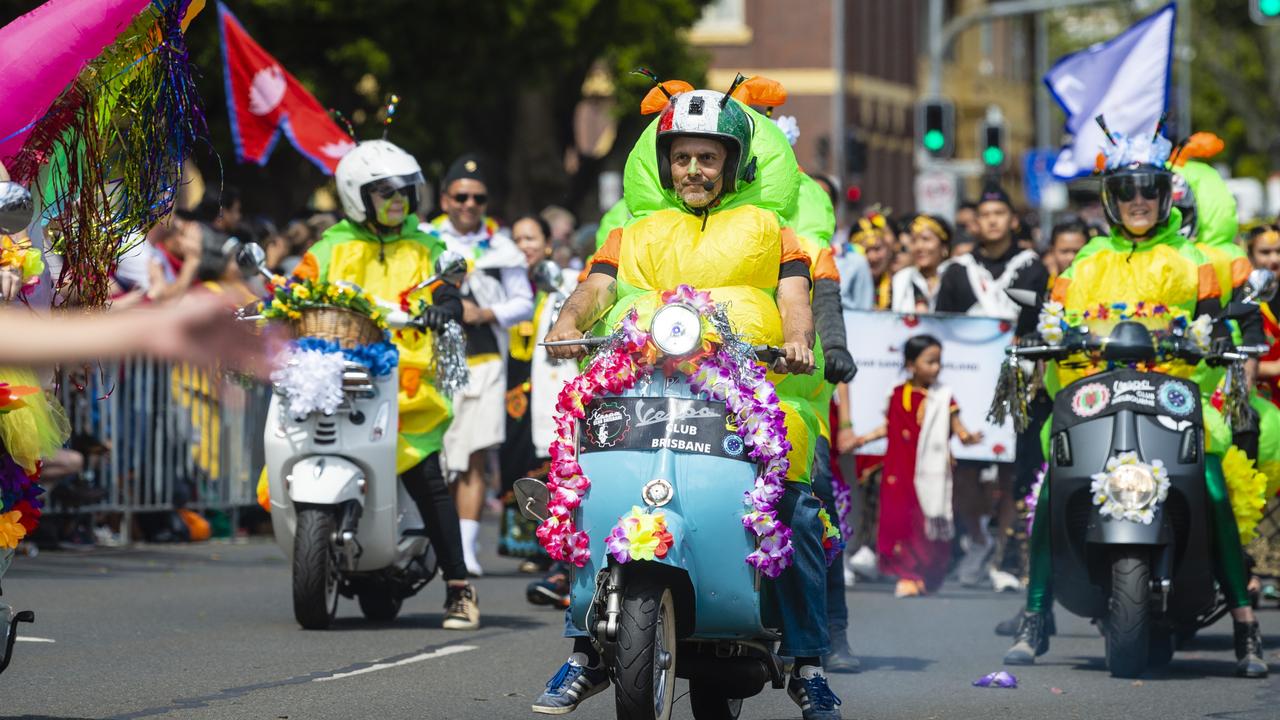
1125 79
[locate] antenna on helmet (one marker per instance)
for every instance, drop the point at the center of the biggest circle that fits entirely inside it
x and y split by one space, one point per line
1160 125
652 76
1103 124
392 102
736 82
343 119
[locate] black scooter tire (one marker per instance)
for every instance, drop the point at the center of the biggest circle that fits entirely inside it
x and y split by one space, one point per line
315 574
708 704
1128 621
646 631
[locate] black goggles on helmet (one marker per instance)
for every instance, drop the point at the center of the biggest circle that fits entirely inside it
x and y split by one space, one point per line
1128 186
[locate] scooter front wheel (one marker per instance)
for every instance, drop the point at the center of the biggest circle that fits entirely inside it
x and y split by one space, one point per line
1128 622
644 665
315 569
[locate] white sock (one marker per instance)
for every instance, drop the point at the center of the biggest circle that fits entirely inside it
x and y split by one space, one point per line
470 529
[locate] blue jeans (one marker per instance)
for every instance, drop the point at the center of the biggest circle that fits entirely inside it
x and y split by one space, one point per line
801 590
837 608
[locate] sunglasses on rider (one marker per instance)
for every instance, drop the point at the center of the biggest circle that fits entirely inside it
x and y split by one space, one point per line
1128 187
462 198
386 191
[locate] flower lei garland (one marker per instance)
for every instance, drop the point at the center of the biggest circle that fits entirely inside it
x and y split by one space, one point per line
309 371
1246 488
1033 496
718 373
20 504
1108 505
289 297
19 256
1055 321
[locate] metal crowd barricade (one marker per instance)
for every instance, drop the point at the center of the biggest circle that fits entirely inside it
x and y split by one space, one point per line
178 436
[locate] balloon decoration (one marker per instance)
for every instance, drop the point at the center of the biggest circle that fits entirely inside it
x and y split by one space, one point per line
100 113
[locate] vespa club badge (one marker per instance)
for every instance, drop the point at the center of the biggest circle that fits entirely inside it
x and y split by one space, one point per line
1090 400
608 424
1175 398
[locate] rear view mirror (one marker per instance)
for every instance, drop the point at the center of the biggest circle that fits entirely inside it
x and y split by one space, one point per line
1262 284
532 497
1023 298
451 267
547 276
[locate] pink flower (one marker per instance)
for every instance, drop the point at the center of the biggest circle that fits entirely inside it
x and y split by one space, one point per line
760 522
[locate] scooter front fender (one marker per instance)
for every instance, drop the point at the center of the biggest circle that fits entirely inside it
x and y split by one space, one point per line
326 480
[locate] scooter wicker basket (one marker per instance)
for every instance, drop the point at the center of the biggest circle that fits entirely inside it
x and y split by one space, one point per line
347 327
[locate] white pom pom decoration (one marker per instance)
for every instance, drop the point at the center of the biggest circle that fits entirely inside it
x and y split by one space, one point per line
311 380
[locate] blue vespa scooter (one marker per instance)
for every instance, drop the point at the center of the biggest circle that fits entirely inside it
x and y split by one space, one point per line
697 612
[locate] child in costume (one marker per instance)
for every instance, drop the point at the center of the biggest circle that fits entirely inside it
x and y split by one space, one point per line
916 528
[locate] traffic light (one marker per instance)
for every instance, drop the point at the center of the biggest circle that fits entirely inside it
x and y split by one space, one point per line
991 143
936 124
1264 12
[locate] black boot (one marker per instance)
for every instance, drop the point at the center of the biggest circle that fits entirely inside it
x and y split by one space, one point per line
1249 660
1009 627
841 659
1031 641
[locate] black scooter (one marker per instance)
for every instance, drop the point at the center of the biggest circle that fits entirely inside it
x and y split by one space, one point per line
1127 501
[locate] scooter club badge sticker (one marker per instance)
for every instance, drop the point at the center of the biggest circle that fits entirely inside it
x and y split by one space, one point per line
733 445
1175 398
1090 400
609 424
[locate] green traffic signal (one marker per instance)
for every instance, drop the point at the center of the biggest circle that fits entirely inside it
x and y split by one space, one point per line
1269 8
934 140
993 156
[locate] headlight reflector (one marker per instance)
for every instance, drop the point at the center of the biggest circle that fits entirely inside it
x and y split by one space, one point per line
676 329
1134 487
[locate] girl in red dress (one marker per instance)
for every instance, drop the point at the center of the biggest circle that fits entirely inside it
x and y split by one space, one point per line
915 529
1264 252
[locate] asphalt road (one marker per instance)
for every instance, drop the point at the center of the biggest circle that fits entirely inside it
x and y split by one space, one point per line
206 631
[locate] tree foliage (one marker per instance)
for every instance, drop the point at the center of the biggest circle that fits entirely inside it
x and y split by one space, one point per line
470 74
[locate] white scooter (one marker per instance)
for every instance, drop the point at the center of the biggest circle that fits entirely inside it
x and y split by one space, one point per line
338 508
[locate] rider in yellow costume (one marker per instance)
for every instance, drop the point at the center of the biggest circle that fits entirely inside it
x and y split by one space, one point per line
1143 264
380 248
707 210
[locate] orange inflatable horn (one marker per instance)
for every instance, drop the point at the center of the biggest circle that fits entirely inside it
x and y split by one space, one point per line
659 95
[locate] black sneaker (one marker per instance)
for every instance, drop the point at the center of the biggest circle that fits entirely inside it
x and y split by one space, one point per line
1009 627
1249 658
550 590
814 697
1031 641
841 659
572 684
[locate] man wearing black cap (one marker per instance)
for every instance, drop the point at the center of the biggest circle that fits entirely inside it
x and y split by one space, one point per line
496 297
975 284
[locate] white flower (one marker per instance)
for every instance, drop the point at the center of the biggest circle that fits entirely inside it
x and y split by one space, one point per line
311 380
789 127
1200 330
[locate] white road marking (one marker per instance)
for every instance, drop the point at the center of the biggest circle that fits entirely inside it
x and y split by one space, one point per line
448 650
30 638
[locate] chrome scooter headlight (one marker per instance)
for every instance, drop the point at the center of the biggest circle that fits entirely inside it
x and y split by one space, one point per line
676 329
1134 487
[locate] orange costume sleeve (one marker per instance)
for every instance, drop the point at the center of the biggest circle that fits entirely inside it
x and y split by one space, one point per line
824 268
1209 287
792 249
611 252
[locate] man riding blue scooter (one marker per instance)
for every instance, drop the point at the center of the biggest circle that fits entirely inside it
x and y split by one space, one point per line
707 215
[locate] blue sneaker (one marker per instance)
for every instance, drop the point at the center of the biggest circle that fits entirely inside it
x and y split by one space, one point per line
814 697
572 684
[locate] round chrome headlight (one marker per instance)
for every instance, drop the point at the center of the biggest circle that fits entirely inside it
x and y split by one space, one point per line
676 329
1134 487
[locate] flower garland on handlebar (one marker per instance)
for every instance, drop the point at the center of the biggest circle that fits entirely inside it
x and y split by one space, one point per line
721 370
1055 322
289 297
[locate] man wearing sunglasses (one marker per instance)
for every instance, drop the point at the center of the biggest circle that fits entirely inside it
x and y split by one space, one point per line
495 297
1144 261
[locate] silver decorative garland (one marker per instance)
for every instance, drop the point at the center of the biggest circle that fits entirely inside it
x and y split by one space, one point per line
449 361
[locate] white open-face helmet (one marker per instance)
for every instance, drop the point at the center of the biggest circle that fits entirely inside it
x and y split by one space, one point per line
377 167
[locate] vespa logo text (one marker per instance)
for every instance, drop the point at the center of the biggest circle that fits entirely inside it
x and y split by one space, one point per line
1137 392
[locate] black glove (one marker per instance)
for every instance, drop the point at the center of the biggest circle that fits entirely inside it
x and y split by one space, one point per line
434 318
840 367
